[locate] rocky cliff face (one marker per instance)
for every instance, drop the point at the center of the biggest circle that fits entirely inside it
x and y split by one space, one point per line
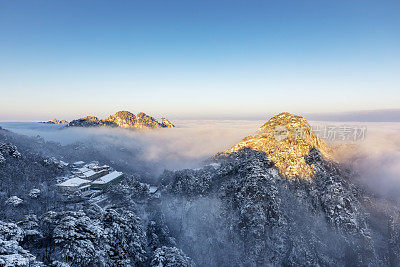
286 139
123 119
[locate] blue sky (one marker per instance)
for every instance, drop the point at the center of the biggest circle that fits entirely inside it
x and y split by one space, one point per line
197 59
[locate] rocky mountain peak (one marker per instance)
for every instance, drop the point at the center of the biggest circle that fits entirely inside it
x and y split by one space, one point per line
127 119
123 119
286 139
92 118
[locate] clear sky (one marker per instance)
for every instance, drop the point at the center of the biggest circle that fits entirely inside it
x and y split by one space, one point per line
197 59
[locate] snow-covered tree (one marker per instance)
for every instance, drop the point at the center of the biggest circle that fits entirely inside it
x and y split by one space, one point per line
123 238
2 159
9 149
113 238
14 201
34 193
11 253
170 257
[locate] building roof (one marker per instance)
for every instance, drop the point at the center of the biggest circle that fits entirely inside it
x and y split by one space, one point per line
63 163
74 182
88 173
103 167
91 165
153 189
108 178
83 169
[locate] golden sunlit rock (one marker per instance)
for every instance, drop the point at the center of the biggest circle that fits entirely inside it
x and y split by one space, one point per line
123 119
286 139
126 119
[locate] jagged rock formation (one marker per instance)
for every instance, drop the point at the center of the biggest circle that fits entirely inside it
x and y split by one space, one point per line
127 119
274 219
123 119
55 121
286 139
90 121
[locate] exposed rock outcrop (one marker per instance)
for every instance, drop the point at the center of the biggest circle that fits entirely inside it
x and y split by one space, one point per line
123 119
55 121
279 221
88 121
126 119
287 139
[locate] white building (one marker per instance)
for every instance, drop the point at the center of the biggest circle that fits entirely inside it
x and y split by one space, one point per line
74 184
106 180
78 164
89 174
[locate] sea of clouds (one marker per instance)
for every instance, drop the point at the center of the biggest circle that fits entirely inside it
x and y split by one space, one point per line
376 156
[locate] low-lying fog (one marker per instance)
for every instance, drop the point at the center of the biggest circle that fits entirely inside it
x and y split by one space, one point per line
376 157
183 147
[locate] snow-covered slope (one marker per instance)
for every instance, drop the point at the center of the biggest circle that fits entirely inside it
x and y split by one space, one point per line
242 208
280 219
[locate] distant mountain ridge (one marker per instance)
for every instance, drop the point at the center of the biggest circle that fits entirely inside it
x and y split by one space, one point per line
55 121
123 119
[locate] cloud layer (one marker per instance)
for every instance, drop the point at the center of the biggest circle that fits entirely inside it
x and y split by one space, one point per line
376 158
